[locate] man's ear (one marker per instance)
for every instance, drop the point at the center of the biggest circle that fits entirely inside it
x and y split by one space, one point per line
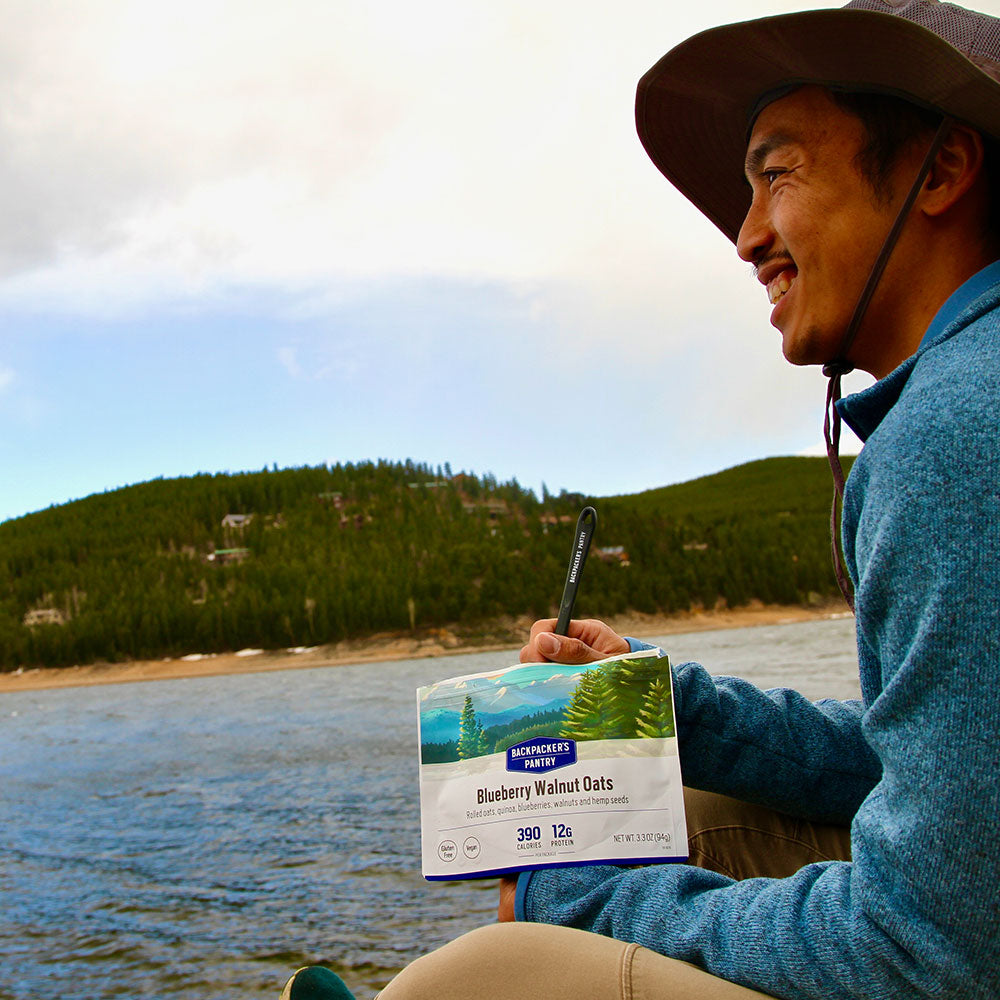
958 165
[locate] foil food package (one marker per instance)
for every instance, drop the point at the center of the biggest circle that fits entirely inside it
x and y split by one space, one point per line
543 765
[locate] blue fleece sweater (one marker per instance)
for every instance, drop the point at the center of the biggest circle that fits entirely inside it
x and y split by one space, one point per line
913 768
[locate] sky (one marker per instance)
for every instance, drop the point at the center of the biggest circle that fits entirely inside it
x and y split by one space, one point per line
242 234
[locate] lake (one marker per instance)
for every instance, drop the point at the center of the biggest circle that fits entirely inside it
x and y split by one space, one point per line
206 837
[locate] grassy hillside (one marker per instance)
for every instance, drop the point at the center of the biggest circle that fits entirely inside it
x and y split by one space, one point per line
314 555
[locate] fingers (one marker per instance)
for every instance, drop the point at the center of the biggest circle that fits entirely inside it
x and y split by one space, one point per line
530 653
508 894
588 640
561 649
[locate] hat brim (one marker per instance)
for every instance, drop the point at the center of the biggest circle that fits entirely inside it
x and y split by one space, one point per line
693 107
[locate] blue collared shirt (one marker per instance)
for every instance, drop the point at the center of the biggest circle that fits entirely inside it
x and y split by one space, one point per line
960 300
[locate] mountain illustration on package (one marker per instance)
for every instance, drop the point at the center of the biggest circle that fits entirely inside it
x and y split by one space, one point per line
543 765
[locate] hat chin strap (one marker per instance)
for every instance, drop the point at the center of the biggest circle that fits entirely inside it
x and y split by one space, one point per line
835 370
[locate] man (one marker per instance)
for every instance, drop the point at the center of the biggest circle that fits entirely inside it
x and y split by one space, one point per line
848 155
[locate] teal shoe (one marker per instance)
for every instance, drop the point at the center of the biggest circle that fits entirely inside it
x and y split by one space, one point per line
316 983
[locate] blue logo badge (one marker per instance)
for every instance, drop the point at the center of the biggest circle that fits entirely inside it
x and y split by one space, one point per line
541 754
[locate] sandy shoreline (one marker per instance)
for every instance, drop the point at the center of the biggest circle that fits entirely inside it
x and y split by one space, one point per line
379 648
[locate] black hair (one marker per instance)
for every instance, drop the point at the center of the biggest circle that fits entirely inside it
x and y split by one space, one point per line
893 124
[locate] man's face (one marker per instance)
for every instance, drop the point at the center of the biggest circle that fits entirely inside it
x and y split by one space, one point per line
814 227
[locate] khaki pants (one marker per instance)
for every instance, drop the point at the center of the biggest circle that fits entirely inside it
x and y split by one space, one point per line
525 961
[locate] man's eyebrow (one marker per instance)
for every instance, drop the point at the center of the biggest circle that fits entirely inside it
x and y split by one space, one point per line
759 153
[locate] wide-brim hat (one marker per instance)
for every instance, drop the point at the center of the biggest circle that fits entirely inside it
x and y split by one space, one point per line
694 108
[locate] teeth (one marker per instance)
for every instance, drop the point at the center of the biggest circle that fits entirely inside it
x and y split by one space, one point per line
778 287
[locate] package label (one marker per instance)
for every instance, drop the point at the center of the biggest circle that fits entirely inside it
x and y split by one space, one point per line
542 765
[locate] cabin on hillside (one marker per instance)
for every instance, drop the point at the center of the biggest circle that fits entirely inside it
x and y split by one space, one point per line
237 521
555 520
44 616
495 509
613 554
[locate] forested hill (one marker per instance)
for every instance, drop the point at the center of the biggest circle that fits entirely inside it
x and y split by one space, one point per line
306 556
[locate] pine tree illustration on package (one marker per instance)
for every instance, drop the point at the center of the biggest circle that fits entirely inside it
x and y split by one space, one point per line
542 765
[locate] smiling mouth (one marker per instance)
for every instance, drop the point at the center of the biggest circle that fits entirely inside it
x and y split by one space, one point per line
780 283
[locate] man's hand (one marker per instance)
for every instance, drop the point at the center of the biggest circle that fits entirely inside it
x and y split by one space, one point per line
587 640
508 892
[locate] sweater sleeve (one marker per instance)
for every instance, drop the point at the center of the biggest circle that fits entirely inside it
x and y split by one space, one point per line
775 748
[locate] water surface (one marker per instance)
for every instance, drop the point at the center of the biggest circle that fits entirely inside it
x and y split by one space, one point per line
205 837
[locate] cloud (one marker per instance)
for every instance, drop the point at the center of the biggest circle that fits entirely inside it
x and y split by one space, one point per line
196 146
6 378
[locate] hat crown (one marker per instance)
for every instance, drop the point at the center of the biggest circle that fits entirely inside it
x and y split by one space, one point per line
692 107
974 34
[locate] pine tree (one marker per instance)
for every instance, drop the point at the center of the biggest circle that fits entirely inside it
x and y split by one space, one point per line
656 717
630 681
469 731
582 708
593 712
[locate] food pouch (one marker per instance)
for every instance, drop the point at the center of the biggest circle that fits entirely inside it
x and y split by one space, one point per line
543 765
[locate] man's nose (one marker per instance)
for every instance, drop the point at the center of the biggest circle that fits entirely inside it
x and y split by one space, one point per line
755 235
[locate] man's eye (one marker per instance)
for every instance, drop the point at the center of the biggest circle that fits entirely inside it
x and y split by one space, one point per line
772 175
